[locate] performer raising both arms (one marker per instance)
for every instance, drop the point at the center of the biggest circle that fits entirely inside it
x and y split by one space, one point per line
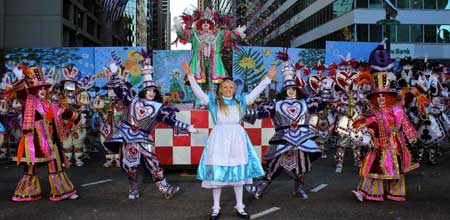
292 147
132 135
228 158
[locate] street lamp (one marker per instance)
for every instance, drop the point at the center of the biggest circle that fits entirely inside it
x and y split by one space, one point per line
391 14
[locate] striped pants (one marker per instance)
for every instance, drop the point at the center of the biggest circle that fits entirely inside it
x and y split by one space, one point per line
378 189
29 188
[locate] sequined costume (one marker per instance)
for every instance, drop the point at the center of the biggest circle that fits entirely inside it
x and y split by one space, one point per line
292 147
132 135
383 168
43 130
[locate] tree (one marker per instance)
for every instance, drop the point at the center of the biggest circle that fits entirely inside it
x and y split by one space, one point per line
249 65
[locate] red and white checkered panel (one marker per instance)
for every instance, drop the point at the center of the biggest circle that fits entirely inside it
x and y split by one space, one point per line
187 149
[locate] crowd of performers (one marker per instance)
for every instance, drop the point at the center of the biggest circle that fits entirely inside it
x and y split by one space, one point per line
392 116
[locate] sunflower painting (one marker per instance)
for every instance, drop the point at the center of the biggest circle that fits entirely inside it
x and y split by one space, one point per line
248 65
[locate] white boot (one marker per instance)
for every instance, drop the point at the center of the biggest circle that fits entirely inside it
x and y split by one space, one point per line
117 160
109 160
78 159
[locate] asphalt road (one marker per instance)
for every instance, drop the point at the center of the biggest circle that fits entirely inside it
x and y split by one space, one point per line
428 196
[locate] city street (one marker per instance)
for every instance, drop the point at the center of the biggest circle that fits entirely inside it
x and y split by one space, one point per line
428 196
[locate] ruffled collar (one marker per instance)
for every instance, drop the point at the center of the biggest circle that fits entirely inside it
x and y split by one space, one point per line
228 101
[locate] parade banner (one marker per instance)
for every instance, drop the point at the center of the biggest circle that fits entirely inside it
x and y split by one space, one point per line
356 50
249 65
126 57
169 75
361 50
252 63
53 59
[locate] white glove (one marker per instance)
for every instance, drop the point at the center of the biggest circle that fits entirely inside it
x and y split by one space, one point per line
445 92
113 67
241 31
18 74
177 24
193 130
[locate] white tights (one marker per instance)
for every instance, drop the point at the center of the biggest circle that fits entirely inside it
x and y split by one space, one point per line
238 192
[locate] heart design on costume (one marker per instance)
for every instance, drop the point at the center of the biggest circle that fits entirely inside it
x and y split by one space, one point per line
346 79
292 110
143 110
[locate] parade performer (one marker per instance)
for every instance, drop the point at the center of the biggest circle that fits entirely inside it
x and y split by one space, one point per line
322 121
103 123
382 171
428 116
74 144
83 107
43 131
348 109
208 32
292 147
132 134
3 132
119 97
228 158
3 148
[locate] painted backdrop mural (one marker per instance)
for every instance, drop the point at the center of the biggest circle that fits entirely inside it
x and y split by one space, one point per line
251 63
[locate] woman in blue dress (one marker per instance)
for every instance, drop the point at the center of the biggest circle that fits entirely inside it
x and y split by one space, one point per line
228 157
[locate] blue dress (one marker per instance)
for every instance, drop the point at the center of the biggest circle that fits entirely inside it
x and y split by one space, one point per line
228 158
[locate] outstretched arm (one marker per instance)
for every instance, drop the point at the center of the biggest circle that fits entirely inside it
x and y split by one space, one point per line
204 99
254 94
167 116
264 110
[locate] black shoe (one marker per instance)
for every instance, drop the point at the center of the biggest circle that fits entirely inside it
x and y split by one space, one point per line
214 216
243 214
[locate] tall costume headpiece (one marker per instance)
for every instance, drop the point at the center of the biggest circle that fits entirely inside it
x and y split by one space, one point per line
380 63
288 71
147 70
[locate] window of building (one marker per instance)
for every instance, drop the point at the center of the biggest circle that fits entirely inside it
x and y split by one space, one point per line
66 10
430 33
91 26
417 4
417 33
362 32
78 19
403 35
403 3
362 3
375 4
341 7
376 33
443 4
431 4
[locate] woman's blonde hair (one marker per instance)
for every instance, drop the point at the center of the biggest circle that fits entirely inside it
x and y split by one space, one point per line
222 106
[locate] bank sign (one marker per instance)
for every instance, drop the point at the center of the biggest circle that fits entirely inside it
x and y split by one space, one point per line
362 50
402 50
